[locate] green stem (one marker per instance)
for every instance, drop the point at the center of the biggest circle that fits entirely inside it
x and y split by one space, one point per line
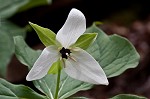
58 81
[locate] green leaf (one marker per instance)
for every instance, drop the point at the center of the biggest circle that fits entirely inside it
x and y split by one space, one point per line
10 7
127 96
11 91
68 86
7 31
12 29
6 51
85 40
46 36
34 3
25 54
114 53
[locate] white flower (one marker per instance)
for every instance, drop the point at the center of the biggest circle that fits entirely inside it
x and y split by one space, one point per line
78 64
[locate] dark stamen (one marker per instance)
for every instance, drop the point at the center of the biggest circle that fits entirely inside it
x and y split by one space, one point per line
64 52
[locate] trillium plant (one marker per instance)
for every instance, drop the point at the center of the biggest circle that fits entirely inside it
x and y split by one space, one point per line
74 59
64 52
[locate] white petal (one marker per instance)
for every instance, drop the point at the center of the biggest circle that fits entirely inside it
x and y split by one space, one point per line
73 28
84 67
43 63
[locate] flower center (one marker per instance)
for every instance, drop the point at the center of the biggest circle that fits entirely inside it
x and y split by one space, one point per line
65 53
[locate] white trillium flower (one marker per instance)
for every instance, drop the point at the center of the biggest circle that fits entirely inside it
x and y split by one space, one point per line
78 64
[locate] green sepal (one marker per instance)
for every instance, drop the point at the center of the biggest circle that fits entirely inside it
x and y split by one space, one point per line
85 40
46 36
55 67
